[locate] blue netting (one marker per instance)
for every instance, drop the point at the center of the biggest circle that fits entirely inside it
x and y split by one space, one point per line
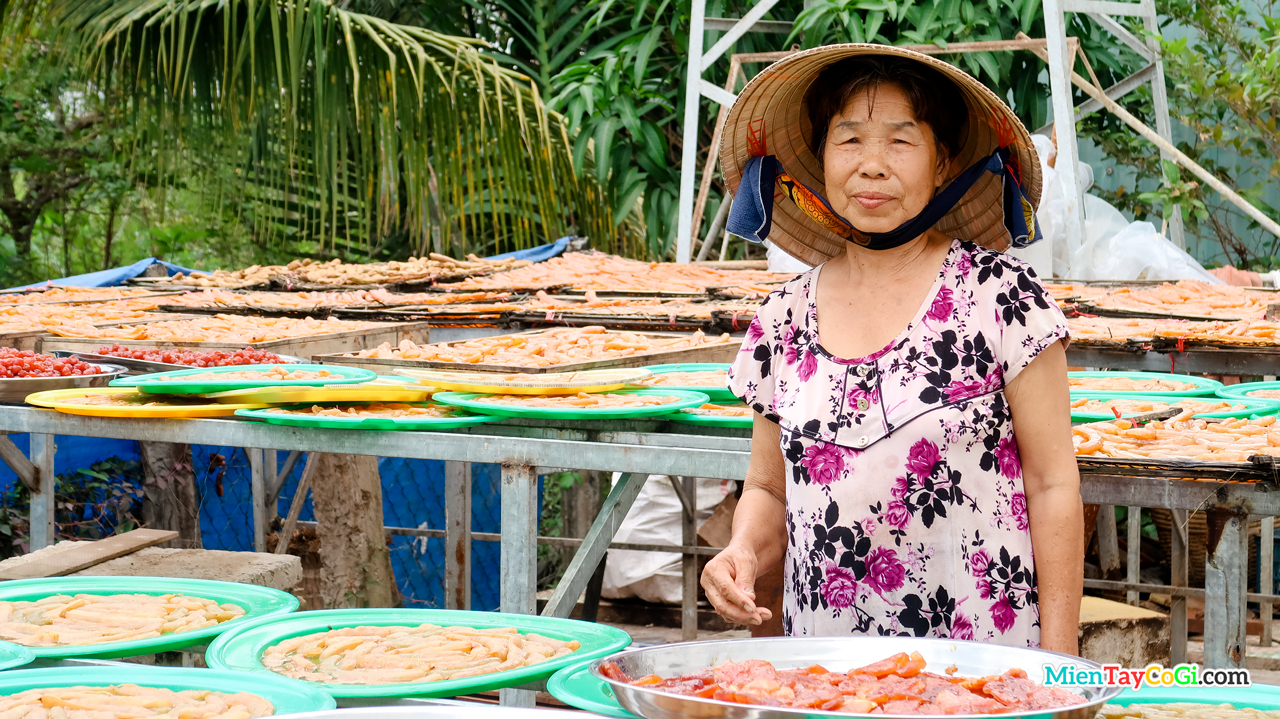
73 453
412 491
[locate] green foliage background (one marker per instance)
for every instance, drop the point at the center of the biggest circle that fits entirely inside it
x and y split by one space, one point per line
232 133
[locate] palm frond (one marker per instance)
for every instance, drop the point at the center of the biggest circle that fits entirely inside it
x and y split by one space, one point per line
345 125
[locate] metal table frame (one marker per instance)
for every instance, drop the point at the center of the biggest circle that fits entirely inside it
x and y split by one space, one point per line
527 451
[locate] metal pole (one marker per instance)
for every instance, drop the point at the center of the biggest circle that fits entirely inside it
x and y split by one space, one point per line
689 152
457 543
1266 576
1064 114
1134 539
258 486
689 562
1160 100
1178 577
519 559
1224 584
43 449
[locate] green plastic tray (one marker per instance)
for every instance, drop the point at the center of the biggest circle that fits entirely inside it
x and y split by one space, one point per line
258 602
14 655
707 420
688 399
717 394
382 423
287 697
579 688
158 384
240 649
1253 407
1241 391
1205 387
1258 696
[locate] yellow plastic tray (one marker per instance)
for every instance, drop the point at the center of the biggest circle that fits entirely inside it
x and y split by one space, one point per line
379 390
55 399
590 381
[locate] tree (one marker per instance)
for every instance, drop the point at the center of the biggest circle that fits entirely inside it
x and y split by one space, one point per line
52 142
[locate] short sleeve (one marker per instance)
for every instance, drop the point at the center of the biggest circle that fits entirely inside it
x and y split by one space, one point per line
1030 320
753 375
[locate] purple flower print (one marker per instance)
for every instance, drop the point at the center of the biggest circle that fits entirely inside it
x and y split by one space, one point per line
808 366
964 263
791 353
839 589
940 310
984 588
1007 457
961 627
922 458
979 561
897 514
869 526
1018 507
1003 615
900 488
755 333
824 461
884 572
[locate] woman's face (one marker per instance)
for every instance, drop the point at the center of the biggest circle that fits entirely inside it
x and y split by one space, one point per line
881 164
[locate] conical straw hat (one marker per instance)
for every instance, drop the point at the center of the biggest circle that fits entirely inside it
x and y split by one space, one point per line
772 108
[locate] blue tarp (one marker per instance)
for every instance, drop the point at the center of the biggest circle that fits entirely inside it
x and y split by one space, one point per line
113 276
541 253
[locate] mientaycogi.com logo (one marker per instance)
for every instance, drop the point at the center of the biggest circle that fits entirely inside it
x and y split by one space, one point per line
1154 676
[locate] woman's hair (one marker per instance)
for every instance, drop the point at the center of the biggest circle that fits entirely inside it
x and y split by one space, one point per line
935 100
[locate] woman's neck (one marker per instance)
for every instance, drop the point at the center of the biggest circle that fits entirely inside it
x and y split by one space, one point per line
859 264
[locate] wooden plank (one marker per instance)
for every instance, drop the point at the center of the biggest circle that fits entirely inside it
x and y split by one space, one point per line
77 556
721 352
18 462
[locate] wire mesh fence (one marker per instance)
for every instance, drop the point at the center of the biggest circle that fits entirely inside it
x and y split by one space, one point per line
412 491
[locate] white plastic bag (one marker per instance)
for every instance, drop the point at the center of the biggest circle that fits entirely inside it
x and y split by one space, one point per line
1116 249
655 518
780 261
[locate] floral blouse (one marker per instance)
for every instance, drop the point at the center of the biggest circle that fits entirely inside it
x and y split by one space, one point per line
905 508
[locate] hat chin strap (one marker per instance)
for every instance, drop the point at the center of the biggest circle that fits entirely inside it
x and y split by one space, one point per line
751 215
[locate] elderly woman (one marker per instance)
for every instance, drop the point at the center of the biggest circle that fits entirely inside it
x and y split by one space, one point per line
911 463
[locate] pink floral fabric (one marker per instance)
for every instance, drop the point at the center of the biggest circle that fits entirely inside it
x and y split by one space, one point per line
905 507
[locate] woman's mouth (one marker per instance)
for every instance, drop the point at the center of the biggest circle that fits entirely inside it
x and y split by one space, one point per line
871 200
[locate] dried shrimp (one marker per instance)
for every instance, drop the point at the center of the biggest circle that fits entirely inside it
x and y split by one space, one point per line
1228 440
218 328
274 374
214 297
581 400
65 620
1191 298
1183 710
1131 406
398 654
610 273
720 410
543 349
130 701
701 378
395 410
1128 384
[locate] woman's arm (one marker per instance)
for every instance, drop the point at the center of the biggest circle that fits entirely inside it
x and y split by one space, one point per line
1040 402
759 532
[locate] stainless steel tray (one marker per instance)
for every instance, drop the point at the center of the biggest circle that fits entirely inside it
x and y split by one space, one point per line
836 654
137 366
444 709
15 391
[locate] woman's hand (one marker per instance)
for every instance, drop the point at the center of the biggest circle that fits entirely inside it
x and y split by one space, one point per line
759 532
730 580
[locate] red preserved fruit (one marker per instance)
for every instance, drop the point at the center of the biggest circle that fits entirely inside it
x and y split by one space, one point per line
192 358
16 364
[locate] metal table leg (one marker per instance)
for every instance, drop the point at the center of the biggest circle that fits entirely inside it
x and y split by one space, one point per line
519 561
43 449
258 484
1134 553
590 555
1225 612
457 542
1266 576
689 563
1178 577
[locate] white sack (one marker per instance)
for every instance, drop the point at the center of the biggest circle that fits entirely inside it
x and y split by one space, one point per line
655 518
780 261
1116 249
